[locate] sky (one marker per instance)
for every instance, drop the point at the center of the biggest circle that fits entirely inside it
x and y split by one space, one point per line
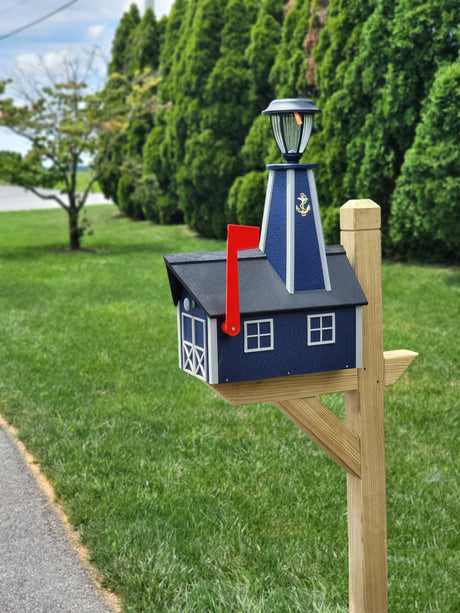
81 24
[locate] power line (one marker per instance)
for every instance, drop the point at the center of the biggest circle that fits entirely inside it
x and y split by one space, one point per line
15 6
33 23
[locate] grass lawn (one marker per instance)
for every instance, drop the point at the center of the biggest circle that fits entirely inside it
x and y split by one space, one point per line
188 504
83 177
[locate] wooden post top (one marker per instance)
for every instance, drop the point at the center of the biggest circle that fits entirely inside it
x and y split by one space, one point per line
360 215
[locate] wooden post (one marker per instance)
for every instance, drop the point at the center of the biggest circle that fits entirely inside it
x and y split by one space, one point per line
364 415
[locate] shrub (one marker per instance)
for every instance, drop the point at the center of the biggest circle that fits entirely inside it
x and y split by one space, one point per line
425 216
246 199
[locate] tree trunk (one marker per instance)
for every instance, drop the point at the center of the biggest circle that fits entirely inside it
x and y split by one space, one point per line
74 230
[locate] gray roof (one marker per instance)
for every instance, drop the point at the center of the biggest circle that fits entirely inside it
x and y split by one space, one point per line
261 289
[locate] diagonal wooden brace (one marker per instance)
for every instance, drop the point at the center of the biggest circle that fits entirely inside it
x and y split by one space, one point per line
326 429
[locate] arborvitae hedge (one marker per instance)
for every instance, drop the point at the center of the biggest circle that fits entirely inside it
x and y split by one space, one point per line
375 68
136 46
425 213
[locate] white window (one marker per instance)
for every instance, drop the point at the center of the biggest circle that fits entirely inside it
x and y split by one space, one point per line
321 329
194 345
258 335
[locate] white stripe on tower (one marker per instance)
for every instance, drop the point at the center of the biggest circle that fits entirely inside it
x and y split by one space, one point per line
290 231
319 229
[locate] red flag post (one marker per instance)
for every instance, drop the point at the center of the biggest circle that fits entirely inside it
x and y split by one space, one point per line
238 239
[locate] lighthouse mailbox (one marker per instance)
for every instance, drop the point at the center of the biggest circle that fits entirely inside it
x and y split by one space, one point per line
280 303
276 304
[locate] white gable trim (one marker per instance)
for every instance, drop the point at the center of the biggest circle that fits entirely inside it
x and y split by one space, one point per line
359 337
179 335
268 199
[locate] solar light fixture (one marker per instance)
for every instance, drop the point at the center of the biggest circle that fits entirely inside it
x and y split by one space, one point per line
292 123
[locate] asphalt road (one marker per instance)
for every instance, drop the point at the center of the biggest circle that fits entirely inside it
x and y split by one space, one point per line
14 198
40 571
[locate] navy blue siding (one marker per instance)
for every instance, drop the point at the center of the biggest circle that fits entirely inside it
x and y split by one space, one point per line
291 354
308 272
275 246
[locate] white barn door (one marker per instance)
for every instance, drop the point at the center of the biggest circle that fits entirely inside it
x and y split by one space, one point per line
194 346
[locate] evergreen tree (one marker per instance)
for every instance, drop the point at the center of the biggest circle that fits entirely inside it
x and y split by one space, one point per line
135 48
262 50
226 113
122 39
173 44
339 42
228 100
341 102
265 39
287 73
196 49
425 214
364 81
120 47
164 147
246 199
158 152
144 44
259 146
222 61
422 36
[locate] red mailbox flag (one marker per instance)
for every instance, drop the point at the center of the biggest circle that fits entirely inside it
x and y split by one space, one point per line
238 239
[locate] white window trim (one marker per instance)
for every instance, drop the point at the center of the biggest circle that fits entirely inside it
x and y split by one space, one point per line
311 343
258 335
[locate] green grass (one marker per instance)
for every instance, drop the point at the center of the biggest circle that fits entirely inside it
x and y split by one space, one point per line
83 177
188 504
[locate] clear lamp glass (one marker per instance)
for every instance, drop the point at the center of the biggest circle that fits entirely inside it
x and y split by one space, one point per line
292 123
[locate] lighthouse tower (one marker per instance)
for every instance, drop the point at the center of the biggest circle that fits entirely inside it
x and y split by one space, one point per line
292 235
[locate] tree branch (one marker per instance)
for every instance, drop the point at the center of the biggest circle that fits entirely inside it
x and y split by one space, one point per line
35 191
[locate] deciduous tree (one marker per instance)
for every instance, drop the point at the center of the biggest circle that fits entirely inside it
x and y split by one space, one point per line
64 124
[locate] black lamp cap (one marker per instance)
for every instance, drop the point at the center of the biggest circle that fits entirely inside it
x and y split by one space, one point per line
290 105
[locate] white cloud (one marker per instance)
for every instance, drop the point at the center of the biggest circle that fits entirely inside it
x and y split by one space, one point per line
81 24
11 142
161 7
96 30
28 62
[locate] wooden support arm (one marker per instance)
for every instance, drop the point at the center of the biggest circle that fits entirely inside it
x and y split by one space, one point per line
309 385
282 388
396 364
